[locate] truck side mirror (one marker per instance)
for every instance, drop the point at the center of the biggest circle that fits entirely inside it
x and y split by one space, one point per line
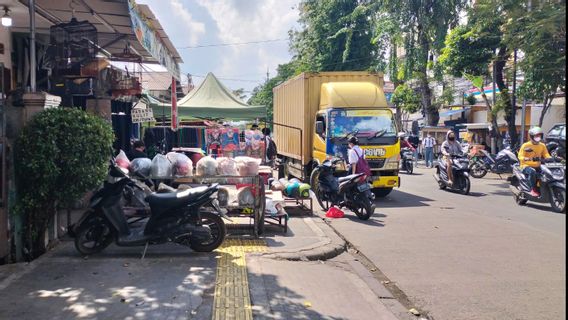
319 127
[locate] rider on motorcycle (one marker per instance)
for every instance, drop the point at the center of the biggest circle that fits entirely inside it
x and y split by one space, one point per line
404 142
450 147
530 155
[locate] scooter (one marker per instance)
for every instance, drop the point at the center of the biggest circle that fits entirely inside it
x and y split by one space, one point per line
352 191
460 170
551 185
556 150
190 217
407 158
499 164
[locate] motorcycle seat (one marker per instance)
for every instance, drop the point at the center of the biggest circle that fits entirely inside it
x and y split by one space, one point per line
174 199
349 177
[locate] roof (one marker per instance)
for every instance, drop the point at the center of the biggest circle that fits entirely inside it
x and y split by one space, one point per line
112 19
212 100
352 94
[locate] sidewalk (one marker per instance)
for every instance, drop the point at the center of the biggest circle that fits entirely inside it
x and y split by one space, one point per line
287 279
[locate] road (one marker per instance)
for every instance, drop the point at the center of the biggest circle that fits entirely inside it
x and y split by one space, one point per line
466 257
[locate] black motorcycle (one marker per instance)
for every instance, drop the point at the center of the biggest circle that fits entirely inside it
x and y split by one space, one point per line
460 171
500 163
407 159
189 217
556 150
352 191
551 185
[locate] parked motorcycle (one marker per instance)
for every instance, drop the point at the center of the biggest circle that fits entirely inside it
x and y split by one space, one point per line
551 185
460 170
352 191
499 164
407 159
556 150
190 217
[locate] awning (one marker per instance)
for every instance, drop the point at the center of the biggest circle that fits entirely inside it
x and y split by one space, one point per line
120 23
483 125
453 112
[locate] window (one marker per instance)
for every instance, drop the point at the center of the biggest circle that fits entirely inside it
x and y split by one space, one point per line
321 117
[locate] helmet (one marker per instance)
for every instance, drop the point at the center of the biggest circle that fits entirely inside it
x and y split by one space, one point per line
353 140
535 131
401 134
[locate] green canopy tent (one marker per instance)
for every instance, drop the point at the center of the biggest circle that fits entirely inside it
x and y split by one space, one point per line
211 100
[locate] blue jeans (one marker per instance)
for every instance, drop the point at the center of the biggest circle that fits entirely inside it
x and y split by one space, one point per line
531 174
429 156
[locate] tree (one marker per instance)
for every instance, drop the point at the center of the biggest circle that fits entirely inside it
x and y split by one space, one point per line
406 100
335 36
62 154
240 93
423 25
544 49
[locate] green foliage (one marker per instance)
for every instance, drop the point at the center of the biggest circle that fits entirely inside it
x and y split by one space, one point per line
476 81
471 99
406 99
447 97
335 36
62 153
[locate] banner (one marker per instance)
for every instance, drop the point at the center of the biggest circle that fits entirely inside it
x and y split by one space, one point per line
150 39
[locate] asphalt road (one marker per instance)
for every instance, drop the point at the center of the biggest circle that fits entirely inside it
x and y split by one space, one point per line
466 257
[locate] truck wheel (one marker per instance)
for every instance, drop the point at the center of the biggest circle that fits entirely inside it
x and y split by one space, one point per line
382 192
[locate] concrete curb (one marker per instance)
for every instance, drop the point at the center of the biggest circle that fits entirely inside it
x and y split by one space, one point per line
329 247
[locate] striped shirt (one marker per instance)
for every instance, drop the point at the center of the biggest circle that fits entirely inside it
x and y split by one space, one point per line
428 142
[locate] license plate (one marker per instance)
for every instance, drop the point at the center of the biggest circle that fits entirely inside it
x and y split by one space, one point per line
363 187
375 152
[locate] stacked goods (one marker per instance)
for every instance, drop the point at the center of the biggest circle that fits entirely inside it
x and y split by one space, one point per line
247 166
206 166
161 167
182 165
142 166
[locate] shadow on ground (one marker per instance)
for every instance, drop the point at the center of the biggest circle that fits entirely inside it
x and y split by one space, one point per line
401 199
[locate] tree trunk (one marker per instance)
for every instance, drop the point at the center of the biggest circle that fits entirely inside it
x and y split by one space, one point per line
510 110
545 107
430 111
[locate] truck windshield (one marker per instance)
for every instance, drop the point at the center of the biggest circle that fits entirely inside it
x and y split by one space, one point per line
366 123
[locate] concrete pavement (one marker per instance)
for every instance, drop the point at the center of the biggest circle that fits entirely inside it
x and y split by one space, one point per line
466 257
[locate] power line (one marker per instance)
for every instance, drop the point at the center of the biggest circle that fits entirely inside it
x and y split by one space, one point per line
227 79
231 44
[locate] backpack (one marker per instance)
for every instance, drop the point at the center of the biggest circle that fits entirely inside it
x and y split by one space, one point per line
362 165
271 150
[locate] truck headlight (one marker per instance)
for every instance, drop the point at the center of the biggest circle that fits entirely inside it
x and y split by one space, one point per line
391 163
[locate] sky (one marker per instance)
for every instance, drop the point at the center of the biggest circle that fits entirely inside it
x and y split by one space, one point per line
191 23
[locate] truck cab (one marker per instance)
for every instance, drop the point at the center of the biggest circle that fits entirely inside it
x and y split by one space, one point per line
358 109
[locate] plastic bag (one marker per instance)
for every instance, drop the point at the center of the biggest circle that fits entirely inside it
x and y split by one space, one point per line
122 160
227 167
247 166
182 165
142 166
223 196
161 167
206 166
245 196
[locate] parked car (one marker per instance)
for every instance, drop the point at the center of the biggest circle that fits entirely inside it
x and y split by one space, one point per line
556 140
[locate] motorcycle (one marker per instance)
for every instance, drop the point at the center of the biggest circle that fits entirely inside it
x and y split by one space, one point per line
460 170
352 191
499 164
551 185
407 159
190 217
556 150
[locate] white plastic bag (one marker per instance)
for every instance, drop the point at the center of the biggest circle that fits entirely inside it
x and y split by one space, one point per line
182 165
227 167
245 196
122 160
206 166
247 166
161 167
142 166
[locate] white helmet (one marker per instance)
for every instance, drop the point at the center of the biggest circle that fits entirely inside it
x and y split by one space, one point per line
401 134
535 131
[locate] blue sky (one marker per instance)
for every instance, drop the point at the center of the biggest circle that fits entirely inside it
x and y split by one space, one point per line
206 22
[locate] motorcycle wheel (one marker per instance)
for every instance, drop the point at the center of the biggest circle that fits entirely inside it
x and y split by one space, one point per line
93 237
218 232
520 200
409 168
558 199
478 170
466 185
320 195
364 209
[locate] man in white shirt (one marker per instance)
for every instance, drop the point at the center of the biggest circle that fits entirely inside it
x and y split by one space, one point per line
354 153
428 143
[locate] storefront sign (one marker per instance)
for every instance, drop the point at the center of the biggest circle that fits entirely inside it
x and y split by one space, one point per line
142 115
150 39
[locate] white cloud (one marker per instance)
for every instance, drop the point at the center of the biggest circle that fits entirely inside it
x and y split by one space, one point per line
195 29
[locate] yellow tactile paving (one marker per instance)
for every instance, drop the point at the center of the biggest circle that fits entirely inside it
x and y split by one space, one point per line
232 298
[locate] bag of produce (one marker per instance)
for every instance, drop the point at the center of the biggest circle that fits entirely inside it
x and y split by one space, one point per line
227 167
247 166
206 166
122 160
161 167
182 165
142 166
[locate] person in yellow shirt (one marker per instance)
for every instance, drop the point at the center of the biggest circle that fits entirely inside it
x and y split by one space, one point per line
530 156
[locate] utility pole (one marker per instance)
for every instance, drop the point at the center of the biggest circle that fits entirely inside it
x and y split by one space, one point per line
31 6
267 74
495 130
524 107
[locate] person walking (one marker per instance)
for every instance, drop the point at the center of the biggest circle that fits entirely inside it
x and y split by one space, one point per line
428 144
